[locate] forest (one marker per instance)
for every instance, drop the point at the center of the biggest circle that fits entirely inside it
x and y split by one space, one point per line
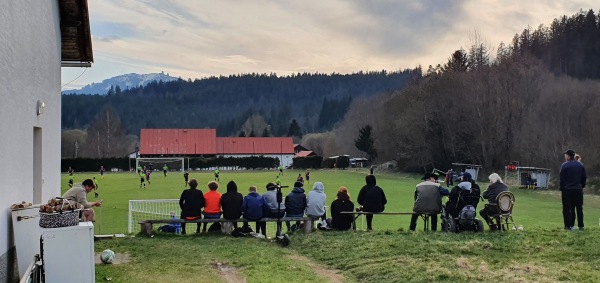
528 102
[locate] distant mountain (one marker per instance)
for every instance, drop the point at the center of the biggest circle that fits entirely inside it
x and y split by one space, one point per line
124 82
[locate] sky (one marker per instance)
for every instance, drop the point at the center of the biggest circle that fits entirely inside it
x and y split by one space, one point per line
196 39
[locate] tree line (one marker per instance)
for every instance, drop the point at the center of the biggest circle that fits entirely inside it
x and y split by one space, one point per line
484 109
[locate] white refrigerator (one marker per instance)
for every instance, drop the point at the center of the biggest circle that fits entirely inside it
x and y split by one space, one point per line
68 254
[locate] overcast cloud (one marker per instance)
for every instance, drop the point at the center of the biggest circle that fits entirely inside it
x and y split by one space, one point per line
194 39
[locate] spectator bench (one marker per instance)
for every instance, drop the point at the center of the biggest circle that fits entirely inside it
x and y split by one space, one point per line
357 214
146 226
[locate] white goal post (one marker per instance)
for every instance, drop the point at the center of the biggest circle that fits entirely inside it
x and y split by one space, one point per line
173 163
148 209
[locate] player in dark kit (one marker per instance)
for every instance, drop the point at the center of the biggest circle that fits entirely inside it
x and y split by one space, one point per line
186 175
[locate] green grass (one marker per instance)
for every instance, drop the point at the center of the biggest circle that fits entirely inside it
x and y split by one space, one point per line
532 208
543 252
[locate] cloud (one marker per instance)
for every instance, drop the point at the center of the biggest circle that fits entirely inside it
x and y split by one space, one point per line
190 38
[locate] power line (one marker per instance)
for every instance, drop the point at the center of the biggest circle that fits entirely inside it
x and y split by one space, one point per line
75 78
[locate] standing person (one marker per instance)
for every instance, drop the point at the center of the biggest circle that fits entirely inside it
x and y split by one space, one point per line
212 205
274 208
96 187
281 170
372 198
450 176
295 204
231 202
102 172
186 175
71 181
70 171
78 193
139 168
165 168
307 174
299 179
278 181
491 193
142 179
428 200
342 203
253 209
191 203
372 169
315 203
148 172
217 172
572 181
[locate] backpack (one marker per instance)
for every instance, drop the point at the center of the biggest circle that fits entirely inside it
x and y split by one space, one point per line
467 215
215 227
169 228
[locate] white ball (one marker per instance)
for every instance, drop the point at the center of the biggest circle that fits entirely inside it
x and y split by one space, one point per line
107 256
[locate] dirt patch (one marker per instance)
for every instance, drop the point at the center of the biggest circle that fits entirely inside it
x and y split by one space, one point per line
463 263
120 258
331 274
229 273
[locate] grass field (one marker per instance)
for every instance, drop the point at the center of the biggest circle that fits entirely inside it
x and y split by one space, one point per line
543 252
532 209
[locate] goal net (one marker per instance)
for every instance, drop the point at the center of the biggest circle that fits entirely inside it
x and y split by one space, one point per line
150 209
156 164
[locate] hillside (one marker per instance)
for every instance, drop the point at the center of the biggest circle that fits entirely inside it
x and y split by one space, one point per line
316 101
116 84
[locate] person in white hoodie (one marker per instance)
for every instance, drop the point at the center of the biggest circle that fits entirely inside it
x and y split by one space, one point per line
315 203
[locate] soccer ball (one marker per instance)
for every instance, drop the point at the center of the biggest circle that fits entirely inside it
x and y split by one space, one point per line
107 256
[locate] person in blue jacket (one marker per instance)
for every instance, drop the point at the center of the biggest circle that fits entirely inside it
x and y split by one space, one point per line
253 207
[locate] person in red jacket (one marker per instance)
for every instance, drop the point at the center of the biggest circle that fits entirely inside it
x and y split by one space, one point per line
212 207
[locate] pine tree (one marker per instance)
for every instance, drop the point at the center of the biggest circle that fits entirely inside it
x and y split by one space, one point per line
294 129
365 142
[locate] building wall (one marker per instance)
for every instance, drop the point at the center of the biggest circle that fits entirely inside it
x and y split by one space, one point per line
30 67
285 159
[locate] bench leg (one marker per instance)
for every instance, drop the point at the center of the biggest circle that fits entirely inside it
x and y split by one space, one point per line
308 226
146 228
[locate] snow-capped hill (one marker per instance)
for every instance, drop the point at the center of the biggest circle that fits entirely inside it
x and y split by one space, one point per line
124 82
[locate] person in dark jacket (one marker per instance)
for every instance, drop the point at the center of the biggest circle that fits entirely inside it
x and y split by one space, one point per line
467 192
253 208
491 193
572 181
231 203
428 200
191 203
372 198
295 203
341 203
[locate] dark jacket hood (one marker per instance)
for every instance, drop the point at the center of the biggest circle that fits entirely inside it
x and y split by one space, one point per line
231 187
298 190
371 181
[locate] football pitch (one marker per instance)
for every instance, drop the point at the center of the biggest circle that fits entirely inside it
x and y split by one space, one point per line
533 209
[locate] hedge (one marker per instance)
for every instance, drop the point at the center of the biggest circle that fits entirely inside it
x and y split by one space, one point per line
93 164
307 162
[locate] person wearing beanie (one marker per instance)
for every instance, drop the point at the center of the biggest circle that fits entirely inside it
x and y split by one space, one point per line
315 203
295 203
372 198
464 190
342 203
212 207
191 203
231 202
572 181
275 209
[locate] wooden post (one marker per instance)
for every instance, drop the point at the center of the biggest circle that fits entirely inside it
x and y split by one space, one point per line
146 228
308 226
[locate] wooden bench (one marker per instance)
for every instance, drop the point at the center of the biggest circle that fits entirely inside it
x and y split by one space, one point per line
359 213
146 226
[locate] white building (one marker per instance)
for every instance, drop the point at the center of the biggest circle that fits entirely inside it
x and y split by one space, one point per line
36 39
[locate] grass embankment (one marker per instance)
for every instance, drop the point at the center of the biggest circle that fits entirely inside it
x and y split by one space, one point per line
543 252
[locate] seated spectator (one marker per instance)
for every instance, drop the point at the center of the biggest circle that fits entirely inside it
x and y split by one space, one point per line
231 202
465 193
493 190
341 203
295 204
372 198
315 203
253 207
191 203
276 207
78 193
212 206
428 200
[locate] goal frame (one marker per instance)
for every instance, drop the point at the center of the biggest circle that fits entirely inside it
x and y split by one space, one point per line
159 160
